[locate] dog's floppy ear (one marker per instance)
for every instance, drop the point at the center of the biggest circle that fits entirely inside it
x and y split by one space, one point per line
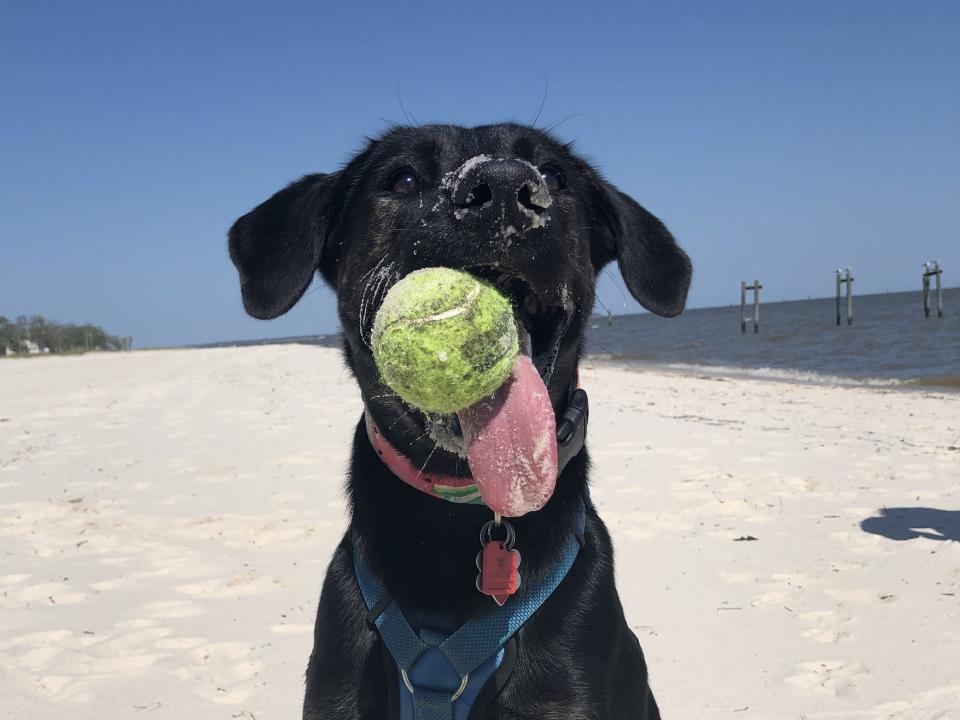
656 271
278 245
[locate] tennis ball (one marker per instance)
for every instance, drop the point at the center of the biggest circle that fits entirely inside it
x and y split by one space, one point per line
444 340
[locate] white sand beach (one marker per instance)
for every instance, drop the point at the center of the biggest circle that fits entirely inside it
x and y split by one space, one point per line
166 518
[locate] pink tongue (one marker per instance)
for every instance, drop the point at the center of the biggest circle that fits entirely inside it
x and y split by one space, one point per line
512 445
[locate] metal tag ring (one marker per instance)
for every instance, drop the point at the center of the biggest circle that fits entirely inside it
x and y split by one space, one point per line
486 533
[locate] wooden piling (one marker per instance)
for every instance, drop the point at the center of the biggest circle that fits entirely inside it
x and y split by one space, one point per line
838 297
939 292
849 281
756 306
932 269
845 277
743 307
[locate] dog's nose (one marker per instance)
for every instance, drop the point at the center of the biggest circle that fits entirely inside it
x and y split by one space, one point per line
509 189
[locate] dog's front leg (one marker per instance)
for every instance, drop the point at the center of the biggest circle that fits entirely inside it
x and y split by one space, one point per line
345 677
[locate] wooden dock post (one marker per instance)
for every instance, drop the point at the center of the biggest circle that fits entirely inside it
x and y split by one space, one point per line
743 303
849 297
845 276
939 291
837 271
756 306
932 269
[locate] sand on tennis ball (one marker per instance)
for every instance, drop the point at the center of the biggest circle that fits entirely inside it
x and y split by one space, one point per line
444 340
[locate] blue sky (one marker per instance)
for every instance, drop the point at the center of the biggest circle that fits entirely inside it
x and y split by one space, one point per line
776 139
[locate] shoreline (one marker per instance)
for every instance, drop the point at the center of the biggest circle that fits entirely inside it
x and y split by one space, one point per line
949 385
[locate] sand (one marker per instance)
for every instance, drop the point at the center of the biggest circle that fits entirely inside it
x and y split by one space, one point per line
166 518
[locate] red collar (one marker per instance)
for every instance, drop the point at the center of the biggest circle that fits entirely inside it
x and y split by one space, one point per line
448 487
571 435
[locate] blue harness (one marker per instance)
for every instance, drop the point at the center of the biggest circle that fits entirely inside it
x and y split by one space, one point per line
441 675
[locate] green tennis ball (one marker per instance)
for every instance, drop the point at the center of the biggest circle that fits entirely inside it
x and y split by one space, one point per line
444 340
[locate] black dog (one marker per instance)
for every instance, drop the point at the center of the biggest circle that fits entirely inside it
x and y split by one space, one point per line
475 199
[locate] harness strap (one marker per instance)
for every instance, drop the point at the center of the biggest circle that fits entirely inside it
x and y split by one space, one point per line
472 644
404 644
432 705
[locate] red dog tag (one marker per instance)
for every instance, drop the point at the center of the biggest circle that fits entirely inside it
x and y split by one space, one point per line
499 577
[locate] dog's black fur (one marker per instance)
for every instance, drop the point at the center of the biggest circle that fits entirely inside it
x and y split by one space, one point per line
398 206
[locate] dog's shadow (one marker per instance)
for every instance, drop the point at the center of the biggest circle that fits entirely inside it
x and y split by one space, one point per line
908 523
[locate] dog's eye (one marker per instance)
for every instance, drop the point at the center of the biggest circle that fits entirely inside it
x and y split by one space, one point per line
405 182
552 177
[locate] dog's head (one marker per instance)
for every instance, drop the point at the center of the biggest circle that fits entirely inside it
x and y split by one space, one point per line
508 203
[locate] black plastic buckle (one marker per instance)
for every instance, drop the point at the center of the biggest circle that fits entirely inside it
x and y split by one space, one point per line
377 610
572 428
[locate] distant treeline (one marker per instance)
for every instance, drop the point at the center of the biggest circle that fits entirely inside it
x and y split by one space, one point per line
36 334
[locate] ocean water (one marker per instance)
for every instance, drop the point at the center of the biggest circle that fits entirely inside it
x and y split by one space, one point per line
889 342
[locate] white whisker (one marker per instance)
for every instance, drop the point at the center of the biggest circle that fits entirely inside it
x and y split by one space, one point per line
430 455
